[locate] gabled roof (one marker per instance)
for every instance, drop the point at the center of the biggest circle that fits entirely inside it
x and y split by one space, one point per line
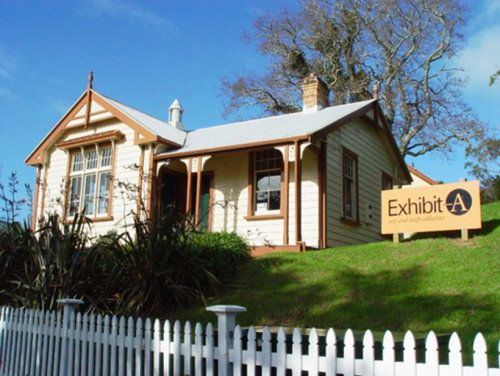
421 175
149 128
305 125
154 125
289 126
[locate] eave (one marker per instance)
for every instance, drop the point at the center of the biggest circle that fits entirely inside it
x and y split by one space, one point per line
142 135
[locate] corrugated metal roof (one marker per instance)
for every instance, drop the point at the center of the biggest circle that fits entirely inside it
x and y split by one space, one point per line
152 124
244 132
266 129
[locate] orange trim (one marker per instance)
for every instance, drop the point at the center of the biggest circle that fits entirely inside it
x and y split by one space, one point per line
350 222
378 113
324 219
88 109
112 179
251 190
252 145
298 201
265 249
263 217
140 183
67 184
35 199
148 136
421 175
93 219
36 157
286 203
198 194
339 123
151 175
109 215
344 219
250 203
44 188
211 199
322 197
188 188
92 139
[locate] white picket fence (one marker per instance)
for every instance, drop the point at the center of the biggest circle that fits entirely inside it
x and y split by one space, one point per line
50 343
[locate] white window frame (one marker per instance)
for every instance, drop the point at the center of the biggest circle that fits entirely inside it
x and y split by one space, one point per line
82 169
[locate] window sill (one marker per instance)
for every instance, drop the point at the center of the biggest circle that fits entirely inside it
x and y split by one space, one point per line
350 222
94 219
258 217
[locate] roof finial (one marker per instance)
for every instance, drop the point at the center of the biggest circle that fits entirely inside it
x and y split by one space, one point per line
91 78
375 90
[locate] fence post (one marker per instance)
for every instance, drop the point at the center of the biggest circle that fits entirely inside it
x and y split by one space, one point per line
69 308
226 322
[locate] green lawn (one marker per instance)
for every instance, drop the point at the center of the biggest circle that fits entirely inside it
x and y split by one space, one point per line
440 284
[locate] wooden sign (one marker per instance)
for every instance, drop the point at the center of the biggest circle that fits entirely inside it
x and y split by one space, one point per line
440 207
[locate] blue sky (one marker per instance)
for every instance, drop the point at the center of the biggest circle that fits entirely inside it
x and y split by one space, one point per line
147 53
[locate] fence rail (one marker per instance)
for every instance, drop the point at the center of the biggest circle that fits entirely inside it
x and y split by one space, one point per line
52 343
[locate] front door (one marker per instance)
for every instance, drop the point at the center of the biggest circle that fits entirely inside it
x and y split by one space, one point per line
205 191
173 195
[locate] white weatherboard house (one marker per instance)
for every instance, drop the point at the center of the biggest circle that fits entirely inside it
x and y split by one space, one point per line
307 179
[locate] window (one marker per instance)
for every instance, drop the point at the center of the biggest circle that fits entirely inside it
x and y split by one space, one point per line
386 181
267 171
90 176
350 185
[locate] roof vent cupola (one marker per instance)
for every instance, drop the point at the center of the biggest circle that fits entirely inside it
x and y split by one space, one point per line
175 115
314 93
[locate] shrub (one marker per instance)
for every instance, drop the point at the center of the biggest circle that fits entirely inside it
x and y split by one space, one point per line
159 267
223 252
56 262
165 266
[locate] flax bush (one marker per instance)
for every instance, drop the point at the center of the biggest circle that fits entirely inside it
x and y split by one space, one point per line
55 262
165 265
153 270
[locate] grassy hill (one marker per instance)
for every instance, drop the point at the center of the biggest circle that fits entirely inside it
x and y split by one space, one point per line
435 283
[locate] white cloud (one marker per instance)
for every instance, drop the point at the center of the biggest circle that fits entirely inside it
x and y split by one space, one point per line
128 10
481 57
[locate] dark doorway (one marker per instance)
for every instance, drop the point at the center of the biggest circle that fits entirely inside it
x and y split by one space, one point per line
173 192
173 195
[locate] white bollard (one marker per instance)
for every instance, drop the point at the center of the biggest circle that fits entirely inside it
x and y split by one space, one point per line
226 322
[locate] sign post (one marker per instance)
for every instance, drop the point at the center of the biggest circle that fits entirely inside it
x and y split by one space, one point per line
455 206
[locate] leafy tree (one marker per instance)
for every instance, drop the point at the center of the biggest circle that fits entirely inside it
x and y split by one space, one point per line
483 164
405 45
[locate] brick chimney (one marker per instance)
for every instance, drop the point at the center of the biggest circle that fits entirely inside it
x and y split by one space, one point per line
314 93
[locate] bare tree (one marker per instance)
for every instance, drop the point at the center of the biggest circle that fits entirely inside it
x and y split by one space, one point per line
405 45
